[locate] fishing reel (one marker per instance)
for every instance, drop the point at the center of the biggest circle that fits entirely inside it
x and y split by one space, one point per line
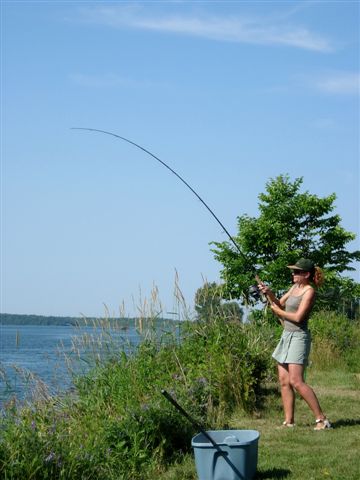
256 294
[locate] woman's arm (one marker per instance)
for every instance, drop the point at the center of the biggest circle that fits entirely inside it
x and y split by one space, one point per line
271 296
302 312
283 299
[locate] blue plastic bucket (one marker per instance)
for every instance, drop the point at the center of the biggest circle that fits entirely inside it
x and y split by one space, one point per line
234 459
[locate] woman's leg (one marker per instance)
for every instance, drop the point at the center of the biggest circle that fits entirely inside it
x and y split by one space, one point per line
296 380
287 393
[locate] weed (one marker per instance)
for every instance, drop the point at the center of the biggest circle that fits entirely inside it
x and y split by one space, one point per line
115 424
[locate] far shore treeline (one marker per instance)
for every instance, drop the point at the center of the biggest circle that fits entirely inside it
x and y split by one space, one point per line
124 322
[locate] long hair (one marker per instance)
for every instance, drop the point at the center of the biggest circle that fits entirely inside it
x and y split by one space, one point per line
317 277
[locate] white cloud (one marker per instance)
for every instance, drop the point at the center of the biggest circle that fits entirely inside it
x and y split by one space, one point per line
339 83
329 82
256 31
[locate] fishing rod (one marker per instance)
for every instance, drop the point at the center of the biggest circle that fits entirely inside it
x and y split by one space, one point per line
228 441
172 171
251 267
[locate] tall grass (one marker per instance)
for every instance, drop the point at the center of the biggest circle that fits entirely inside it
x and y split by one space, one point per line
336 339
115 424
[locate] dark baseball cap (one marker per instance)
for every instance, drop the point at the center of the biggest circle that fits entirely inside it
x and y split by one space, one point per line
303 264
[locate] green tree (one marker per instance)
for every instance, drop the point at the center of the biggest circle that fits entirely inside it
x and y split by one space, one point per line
209 304
290 225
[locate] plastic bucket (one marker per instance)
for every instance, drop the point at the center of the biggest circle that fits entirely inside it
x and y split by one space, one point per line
234 459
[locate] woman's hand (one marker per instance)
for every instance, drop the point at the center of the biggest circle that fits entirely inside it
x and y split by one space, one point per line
264 288
276 309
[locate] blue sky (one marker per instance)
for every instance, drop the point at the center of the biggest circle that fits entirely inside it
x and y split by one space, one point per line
229 94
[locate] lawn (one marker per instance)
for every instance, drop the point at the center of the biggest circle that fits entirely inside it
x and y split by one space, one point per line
301 453
118 426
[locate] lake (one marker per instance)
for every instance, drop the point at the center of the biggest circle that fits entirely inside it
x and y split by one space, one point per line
32 354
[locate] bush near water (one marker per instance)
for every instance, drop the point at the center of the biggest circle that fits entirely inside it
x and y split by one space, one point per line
117 425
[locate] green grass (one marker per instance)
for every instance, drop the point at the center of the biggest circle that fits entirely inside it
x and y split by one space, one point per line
116 425
301 453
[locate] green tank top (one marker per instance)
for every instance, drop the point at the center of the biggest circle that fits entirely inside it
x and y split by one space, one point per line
291 305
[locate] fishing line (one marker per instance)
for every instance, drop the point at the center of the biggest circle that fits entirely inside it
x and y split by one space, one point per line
175 173
254 291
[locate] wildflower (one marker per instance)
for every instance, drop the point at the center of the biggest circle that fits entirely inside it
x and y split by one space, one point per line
33 425
50 457
202 381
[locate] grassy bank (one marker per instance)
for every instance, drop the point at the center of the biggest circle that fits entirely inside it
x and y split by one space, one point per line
300 453
117 425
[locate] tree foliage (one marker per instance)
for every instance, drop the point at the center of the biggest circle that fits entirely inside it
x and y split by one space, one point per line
291 224
209 304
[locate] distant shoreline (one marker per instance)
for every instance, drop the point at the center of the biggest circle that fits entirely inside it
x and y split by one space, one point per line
19 319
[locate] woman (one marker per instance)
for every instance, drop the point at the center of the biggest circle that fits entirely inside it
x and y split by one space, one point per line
293 350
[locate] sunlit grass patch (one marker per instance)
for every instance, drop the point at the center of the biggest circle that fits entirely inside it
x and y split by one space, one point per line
301 452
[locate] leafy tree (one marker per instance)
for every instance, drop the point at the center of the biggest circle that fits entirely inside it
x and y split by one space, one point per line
290 225
209 304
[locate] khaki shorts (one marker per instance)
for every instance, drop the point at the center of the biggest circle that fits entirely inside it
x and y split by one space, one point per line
293 347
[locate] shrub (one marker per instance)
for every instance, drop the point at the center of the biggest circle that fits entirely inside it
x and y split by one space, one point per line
335 338
116 424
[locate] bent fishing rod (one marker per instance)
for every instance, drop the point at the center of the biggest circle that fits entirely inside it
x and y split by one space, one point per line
179 177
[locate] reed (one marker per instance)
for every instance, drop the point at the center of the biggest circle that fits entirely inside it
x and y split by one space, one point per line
115 424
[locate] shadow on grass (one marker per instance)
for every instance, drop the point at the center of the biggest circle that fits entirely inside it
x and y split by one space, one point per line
346 422
264 394
272 473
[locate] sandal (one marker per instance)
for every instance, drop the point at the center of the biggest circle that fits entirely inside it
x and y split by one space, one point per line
287 424
322 424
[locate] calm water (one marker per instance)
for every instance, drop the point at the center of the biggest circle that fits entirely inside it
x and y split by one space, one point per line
28 351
